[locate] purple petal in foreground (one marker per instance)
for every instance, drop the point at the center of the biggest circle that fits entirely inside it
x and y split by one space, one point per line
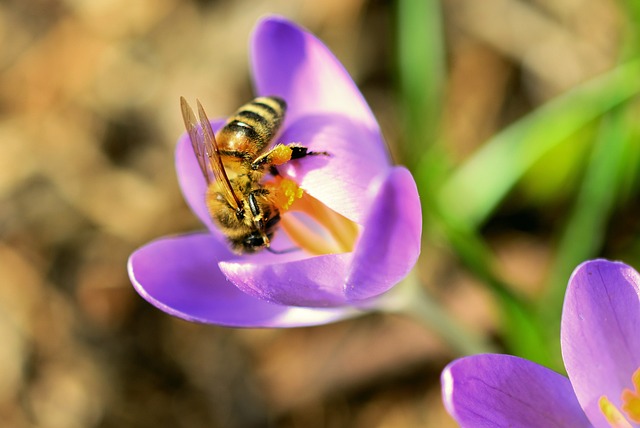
312 281
496 391
601 332
180 276
390 242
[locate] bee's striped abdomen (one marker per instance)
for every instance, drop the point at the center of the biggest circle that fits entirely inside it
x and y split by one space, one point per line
254 125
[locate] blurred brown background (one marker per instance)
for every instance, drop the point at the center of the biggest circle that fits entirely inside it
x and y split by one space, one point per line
88 121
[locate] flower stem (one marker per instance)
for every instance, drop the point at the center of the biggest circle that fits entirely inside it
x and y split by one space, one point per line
410 298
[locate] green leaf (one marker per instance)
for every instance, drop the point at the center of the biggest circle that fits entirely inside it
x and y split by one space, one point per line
586 227
479 185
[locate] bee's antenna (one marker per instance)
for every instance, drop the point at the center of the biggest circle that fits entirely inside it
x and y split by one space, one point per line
287 251
274 171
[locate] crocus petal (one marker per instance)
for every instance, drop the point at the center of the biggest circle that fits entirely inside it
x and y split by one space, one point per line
505 391
390 242
326 112
292 63
312 281
180 276
601 332
191 180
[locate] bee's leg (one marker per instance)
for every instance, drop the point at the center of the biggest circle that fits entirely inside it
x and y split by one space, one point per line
298 151
241 156
278 155
281 154
256 211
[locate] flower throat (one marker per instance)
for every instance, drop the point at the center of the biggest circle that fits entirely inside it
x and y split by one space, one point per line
629 409
309 223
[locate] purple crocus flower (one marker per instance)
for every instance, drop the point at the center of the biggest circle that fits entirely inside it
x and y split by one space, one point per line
361 231
601 351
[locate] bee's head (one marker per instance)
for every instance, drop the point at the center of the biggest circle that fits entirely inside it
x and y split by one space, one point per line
253 216
260 220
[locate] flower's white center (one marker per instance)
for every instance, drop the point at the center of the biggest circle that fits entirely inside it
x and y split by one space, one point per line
629 409
310 224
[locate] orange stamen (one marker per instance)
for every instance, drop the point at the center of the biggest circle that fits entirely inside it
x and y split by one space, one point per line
631 399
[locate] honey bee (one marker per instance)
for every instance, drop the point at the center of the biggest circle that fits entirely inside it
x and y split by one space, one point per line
234 163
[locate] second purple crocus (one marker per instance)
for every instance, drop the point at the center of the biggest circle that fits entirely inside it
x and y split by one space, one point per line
361 228
600 338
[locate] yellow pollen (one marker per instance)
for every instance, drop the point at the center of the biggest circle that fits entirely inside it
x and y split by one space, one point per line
631 399
630 406
612 414
291 192
324 232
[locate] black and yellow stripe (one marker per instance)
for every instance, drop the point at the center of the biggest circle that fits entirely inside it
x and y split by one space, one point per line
253 126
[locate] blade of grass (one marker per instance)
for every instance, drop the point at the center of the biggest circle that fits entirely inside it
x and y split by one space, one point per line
477 187
420 73
520 334
631 11
586 227
630 173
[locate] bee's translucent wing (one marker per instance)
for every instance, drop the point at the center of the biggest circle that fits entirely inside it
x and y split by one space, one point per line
206 150
197 139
